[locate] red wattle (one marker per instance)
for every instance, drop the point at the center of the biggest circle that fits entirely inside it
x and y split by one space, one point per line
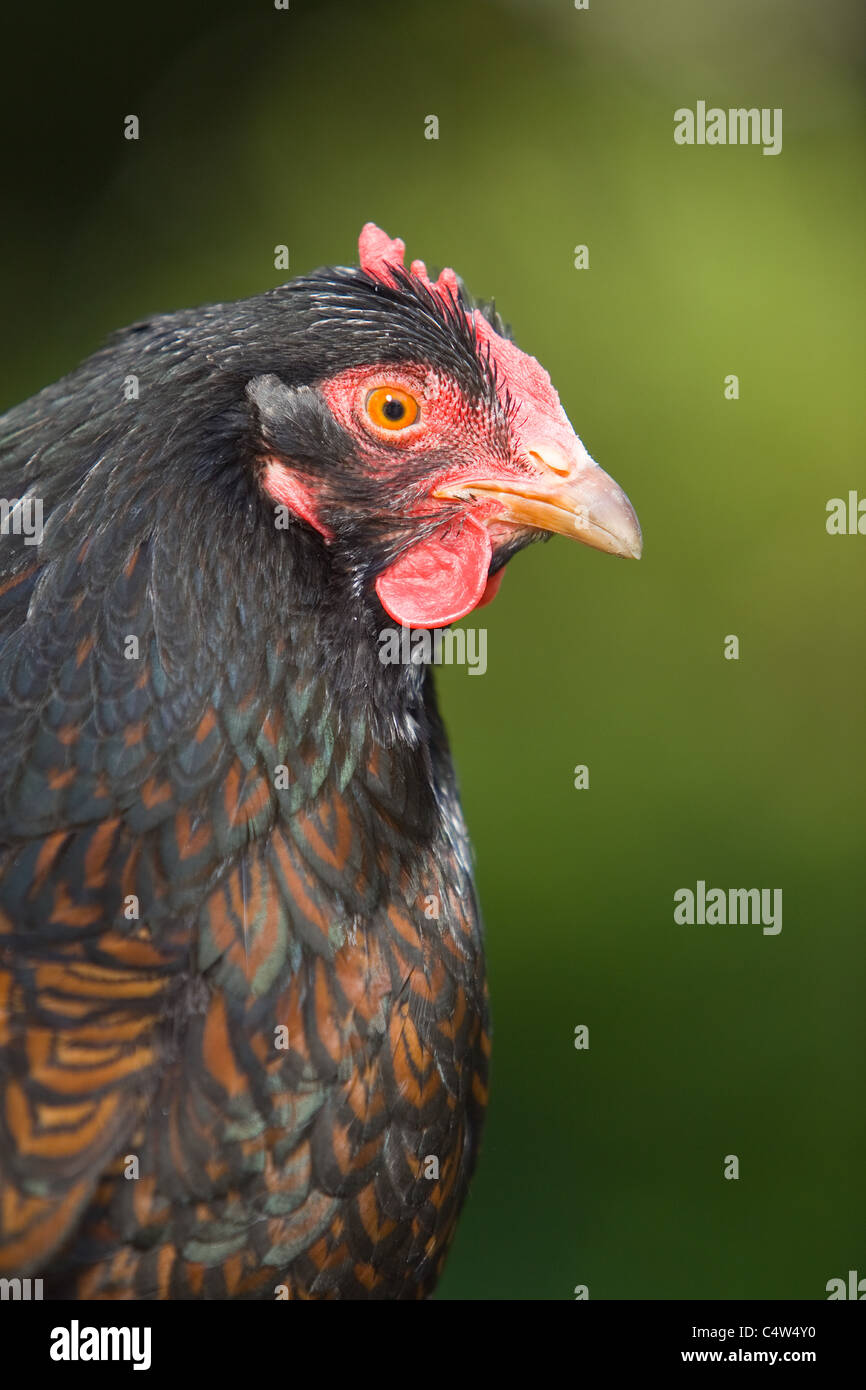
440 579
491 588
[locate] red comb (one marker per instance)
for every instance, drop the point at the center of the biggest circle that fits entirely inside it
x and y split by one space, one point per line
380 254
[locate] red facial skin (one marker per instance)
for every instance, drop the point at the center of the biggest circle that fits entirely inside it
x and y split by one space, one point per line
445 576
441 579
446 420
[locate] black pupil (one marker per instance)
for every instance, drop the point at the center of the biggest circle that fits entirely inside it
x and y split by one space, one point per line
393 409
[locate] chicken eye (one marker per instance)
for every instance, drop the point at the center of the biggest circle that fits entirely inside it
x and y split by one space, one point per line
390 408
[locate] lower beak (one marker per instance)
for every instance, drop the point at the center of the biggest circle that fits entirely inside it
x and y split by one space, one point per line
582 502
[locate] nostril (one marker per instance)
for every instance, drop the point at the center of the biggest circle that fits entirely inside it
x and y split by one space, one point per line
550 460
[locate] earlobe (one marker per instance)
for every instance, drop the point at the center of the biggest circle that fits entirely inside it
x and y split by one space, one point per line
286 489
281 418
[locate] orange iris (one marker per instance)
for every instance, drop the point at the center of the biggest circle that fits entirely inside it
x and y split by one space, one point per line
390 408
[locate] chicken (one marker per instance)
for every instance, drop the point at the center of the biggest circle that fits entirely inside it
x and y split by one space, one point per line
243 1014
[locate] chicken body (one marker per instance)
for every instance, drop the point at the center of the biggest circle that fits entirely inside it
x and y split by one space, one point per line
243 1020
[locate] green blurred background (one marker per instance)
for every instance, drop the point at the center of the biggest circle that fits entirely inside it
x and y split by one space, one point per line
601 1167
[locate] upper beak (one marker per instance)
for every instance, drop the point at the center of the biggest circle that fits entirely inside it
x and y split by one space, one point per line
572 498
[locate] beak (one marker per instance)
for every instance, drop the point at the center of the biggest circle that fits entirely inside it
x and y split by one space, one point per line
571 498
